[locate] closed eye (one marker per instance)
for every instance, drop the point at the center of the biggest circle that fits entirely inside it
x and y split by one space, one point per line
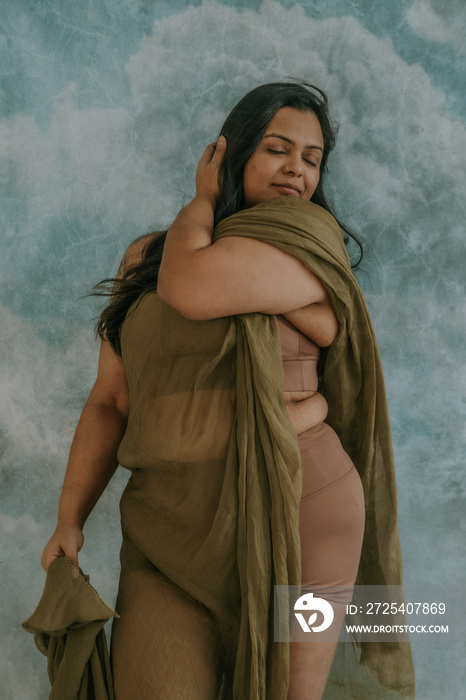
282 153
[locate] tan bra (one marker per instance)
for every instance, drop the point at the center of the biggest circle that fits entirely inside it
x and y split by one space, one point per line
300 356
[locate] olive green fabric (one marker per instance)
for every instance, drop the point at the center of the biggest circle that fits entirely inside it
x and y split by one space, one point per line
213 499
68 629
354 387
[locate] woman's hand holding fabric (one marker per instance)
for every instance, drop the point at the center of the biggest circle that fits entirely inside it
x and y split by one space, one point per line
67 540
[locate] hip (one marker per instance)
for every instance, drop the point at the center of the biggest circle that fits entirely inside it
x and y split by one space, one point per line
323 459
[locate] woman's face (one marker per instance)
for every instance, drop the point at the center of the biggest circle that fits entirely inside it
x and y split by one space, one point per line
287 159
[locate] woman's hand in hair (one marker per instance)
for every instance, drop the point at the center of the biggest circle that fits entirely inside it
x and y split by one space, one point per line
192 230
207 173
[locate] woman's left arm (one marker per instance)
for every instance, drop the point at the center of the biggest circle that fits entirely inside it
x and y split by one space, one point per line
234 275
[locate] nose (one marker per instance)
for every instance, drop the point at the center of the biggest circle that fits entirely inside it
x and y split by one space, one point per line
293 165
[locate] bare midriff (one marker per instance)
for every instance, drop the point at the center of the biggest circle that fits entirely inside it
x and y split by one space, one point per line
306 409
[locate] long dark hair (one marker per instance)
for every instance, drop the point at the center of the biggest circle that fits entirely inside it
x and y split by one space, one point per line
243 130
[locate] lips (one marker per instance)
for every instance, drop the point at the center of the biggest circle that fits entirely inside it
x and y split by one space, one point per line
287 188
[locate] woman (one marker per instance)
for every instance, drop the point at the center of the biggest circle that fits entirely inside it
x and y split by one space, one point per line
237 483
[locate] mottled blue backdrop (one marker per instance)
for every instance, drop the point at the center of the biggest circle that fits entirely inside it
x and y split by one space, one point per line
105 108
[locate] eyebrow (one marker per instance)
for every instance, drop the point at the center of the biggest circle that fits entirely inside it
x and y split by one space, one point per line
292 143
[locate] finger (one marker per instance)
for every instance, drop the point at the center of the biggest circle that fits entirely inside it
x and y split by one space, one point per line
207 155
74 563
220 148
216 150
71 552
47 559
45 562
221 142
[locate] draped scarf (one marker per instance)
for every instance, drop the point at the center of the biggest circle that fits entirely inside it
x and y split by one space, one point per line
354 387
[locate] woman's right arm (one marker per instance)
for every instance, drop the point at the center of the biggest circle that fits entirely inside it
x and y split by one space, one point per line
92 461
205 279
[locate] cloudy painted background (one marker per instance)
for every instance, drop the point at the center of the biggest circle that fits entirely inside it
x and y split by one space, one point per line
105 108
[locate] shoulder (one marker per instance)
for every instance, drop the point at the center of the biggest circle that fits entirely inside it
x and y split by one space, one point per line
136 251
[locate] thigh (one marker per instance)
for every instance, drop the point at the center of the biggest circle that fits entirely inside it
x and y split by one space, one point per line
332 512
164 645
